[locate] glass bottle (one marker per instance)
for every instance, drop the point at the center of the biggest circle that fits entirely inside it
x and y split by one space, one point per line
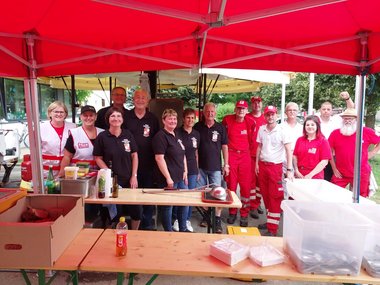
115 187
50 183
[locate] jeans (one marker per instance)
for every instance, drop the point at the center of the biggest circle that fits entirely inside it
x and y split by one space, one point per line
145 180
192 183
209 177
180 213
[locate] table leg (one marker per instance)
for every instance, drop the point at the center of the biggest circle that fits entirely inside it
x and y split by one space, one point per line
25 276
212 219
120 278
74 278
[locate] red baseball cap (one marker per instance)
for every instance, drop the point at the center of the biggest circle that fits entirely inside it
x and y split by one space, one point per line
270 109
241 104
256 98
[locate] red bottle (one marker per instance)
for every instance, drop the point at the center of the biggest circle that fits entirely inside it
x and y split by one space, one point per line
26 168
121 237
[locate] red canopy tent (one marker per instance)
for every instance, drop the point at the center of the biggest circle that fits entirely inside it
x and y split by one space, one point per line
63 37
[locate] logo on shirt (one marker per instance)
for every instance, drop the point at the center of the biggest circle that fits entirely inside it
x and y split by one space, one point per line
127 145
312 150
215 135
146 130
194 142
243 132
181 144
83 145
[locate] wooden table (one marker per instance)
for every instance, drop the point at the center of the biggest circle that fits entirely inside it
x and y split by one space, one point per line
70 258
187 254
138 197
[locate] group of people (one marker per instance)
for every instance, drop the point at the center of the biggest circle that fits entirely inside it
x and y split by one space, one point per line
257 144
249 150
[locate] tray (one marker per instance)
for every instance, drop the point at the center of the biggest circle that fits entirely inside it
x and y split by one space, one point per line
207 198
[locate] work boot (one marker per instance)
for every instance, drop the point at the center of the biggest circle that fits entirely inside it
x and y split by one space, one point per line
262 226
203 223
244 221
231 219
260 210
269 234
218 225
254 214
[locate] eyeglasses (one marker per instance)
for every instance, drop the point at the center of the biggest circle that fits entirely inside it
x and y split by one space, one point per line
59 112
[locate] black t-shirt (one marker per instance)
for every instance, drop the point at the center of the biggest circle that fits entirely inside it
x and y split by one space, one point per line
143 131
174 152
209 151
191 142
101 120
118 150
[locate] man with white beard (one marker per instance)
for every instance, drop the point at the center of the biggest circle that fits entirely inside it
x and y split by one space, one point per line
342 142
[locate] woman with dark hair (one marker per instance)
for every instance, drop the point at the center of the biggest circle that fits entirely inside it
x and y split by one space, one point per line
118 146
312 151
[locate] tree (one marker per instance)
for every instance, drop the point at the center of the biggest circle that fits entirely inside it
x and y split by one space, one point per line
82 95
327 88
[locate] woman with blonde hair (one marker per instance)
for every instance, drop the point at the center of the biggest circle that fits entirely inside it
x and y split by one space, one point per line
171 161
54 134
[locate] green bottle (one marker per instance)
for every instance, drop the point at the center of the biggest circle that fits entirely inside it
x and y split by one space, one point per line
50 183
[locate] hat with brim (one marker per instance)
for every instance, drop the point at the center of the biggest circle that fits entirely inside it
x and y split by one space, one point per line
349 112
87 108
241 104
270 110
256 98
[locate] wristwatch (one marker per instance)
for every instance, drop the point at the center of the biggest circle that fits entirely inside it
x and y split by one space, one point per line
289 169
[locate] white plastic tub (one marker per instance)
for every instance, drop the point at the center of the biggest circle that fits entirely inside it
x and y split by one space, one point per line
320 190
324 238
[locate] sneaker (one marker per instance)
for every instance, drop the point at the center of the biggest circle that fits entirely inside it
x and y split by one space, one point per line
175 226
218 225
231 219
260 210
188 226
262 226
244 221
203 223
254 214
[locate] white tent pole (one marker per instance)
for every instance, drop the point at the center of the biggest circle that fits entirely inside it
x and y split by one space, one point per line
283 102
359 137
31 101
357 88
311 94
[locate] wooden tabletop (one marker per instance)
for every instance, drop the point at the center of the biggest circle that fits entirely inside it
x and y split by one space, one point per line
188 254
137 197
77 249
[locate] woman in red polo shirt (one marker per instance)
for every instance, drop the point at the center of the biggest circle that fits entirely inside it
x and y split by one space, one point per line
312 151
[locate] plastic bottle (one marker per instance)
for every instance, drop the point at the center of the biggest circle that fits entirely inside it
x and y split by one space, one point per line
115 187
26 168
121 237
101 187
50 183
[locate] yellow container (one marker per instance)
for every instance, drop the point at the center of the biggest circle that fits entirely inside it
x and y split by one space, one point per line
243 231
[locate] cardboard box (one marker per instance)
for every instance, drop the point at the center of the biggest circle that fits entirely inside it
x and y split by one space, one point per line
243 231
38 245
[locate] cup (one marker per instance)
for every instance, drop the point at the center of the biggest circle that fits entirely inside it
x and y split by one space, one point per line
71 172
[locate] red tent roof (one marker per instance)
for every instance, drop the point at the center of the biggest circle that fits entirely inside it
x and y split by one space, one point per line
84 36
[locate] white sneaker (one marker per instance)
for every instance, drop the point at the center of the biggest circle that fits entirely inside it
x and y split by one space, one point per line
176 226
188 226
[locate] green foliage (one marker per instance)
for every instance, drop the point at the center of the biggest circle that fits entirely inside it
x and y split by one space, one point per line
223 110
82 95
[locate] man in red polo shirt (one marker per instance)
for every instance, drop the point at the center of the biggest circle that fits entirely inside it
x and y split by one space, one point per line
239 131
258 119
